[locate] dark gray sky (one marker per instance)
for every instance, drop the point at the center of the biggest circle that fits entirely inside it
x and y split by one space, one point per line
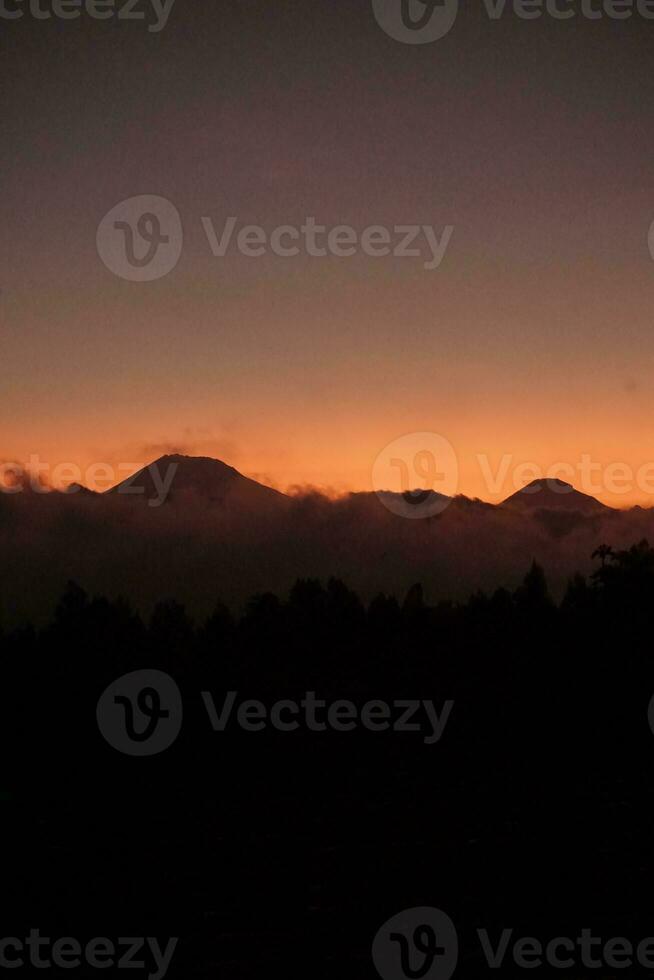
532 139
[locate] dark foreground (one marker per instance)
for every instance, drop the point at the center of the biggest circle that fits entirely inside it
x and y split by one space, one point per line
287 850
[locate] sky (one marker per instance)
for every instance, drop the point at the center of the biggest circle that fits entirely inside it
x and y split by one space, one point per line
532 340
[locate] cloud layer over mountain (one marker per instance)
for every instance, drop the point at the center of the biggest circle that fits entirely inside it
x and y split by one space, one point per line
218 535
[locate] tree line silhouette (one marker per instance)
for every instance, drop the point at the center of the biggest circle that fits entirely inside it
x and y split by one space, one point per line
533 811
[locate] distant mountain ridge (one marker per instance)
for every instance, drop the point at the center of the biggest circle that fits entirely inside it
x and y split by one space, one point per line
217 482
554 494
197 529
213 481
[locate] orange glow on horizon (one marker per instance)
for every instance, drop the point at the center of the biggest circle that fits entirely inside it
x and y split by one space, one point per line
312 455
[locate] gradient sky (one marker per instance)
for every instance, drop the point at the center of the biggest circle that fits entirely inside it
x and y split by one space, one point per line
535 337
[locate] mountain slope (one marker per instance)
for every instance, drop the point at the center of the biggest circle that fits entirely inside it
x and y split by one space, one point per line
178 478
554 495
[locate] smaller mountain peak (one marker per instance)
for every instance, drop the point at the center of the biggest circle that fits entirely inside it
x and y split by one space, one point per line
79 488
184 458
548 483
180 459
550 492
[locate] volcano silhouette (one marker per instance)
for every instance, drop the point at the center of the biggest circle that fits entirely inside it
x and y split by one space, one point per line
553 494
206 479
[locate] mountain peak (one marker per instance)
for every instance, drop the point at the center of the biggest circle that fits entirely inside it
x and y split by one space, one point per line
552 493
181 460
549 483
175 476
